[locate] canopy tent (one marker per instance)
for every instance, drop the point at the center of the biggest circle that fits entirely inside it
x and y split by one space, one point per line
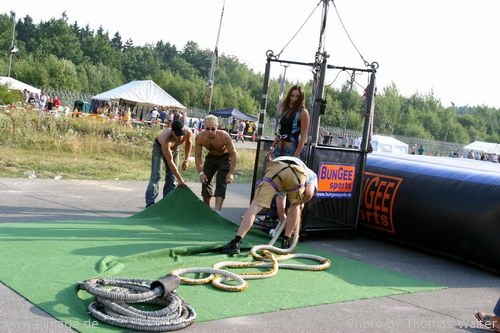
388 144
232 112
18 85
142 93
482 147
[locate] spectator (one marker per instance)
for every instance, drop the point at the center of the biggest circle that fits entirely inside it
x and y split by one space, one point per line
250 130
182 117
57 102
414 149
326 138
42 100
163 116
245 131
421 150
241 130
49 106
357 142
340 140
127 116
154 115
26 95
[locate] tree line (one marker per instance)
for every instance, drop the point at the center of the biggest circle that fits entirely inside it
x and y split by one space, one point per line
63 56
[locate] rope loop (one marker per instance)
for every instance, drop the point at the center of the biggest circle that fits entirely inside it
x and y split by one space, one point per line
266 256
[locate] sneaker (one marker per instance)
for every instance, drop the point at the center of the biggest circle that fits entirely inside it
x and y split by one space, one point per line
232 247
286 243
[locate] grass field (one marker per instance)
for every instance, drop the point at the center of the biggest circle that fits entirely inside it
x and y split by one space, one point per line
79 148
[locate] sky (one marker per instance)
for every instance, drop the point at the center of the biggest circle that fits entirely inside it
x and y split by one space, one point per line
448 48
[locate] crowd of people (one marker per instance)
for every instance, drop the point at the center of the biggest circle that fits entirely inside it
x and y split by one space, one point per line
482 156
342 140
41 101
242 129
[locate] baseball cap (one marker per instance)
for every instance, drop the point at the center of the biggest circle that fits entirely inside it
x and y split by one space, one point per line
178 128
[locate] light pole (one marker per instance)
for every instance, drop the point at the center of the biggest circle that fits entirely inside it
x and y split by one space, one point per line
12 49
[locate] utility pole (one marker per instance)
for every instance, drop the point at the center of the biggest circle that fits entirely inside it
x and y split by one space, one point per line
12 48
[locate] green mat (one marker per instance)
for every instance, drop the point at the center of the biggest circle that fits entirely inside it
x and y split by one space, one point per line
43 262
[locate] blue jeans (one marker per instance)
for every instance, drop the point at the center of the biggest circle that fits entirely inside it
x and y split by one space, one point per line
496 310
154 179
285 151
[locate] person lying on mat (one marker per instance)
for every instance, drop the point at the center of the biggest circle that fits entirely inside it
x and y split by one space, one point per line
220 159
166 148
283 174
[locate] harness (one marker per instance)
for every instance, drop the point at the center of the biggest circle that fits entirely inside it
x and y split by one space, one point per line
292 136
270 180
295 128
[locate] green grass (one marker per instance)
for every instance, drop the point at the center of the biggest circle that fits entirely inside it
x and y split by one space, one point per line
76 148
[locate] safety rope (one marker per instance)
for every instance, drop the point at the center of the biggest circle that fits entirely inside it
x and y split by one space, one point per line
111 304
267 256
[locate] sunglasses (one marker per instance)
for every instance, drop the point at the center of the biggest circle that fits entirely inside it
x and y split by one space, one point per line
211 129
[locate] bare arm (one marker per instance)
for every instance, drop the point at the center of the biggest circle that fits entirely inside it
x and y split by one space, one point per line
198 148
304 131
273 147
187 147
198 161
233 156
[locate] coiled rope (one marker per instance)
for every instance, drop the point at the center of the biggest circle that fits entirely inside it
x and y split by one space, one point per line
267 256
111 304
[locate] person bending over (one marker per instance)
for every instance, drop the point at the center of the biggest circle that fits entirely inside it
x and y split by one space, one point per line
283 174
166 148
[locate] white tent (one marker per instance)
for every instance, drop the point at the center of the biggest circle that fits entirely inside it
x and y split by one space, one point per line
387 144
18 85
143 93
482 147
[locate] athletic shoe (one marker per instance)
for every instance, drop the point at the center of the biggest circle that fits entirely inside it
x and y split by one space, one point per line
233 247
286 243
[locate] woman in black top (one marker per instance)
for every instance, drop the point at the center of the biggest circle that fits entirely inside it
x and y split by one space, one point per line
293 126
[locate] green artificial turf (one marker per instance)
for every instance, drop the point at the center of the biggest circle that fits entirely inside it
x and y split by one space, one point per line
44 261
